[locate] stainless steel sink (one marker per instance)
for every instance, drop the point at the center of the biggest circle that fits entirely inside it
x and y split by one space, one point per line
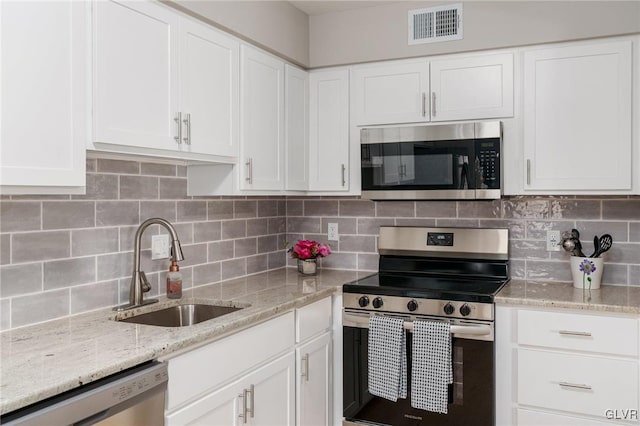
181 315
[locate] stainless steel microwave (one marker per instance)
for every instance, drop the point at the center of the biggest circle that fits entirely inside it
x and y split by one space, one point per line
432 162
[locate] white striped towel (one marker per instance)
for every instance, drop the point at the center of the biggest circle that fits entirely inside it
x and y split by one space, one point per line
387 358
431 369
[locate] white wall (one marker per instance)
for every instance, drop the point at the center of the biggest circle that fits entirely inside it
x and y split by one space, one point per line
380 33
276 26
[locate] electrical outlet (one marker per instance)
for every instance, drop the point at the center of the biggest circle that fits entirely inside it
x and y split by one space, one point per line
553 240
159 247
332 231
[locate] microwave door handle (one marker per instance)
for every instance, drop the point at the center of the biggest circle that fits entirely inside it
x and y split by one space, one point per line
464 176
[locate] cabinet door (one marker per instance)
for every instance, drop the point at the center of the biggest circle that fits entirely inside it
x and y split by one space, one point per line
209 74
472 88
314 382
262 120
219 408
135 74
392 93
296 89
329 131
577 118
42 103
273 399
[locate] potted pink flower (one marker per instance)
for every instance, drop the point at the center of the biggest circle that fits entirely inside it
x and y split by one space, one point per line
307 252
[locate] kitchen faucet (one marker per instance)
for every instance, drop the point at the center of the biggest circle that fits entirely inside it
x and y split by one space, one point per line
139 282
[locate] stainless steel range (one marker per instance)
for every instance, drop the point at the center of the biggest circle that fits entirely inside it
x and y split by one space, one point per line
442 274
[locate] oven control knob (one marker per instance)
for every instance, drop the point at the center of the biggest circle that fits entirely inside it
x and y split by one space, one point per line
465 310
449 308
377 302
363 301
412 305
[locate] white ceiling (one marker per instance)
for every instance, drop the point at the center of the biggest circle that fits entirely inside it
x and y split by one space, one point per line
317 7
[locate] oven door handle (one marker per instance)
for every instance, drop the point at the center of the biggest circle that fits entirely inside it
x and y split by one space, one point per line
362 321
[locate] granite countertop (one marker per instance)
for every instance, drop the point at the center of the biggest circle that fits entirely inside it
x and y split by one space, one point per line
43 360
615 299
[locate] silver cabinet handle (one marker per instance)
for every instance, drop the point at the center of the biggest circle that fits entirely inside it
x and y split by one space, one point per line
574 385
243 395
344 180
433 104
574 333
187 123
305 372
249 165
528 172
251 392
178 121
424 104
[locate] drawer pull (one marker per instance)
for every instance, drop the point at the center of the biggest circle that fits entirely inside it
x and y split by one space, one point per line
575 333
574 385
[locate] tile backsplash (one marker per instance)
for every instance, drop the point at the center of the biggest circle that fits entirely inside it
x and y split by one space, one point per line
63 255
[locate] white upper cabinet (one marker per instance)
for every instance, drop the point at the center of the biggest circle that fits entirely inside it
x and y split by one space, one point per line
43 91
135 74
261 120
329 131
578 118
297 128
472 87
209 90
391 93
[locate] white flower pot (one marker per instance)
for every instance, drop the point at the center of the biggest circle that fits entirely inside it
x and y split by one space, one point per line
307 266
587 272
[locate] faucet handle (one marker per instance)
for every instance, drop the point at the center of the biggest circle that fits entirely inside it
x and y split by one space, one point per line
145 283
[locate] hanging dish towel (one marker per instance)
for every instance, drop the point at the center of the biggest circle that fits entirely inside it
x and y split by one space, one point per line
387 358
431 370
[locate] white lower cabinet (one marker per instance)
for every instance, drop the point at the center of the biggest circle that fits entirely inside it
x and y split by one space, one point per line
314 382
558 367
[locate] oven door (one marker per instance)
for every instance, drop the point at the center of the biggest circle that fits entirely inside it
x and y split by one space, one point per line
471 396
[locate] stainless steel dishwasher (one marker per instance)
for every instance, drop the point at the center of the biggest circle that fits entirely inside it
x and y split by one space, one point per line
132 397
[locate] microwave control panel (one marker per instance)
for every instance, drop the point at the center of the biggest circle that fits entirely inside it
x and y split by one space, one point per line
489 162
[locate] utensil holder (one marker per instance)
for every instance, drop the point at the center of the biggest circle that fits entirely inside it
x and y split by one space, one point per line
587 272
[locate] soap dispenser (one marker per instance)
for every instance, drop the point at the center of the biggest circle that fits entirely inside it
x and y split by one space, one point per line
174 281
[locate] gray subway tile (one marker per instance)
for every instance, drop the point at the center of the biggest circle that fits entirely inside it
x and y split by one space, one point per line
527 249
68 214
480 209
20 279
257 227
575 209
423 221
267 208
368 262
345 225
537 229
149 265
358 243
267 243
234 229
321 207
548 270
127 237
304 224
220 209
623 253
86 242
615 274
109 213
245 247
634 275
526 209
89 297
621 209
156 169
257 263
395 209
205 274
436 209
282 207
100 187
5 249
458 223
360 208
69 272
207 231
634 231
91 165
517 268
39 307
117 265
340 261
295 208
277 225
194 254
163 209
618 230
277 260
245 209
233 268
372 226
191 211
181 171
5 314
138 188
220 250
118 166
173 188
37 246
517 228
20 216
184 231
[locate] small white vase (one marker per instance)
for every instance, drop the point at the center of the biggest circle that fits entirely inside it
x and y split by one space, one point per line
307 266
587 280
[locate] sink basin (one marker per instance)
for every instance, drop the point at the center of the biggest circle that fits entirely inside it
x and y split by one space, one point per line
181 315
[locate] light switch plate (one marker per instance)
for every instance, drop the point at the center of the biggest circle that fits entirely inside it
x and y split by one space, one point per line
332 231
553 240
159 247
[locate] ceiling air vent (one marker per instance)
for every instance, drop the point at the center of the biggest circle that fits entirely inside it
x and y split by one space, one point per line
442 23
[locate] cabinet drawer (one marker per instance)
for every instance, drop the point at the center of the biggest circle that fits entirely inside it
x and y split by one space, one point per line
576 383
205 368
313 319
604 334
537 418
